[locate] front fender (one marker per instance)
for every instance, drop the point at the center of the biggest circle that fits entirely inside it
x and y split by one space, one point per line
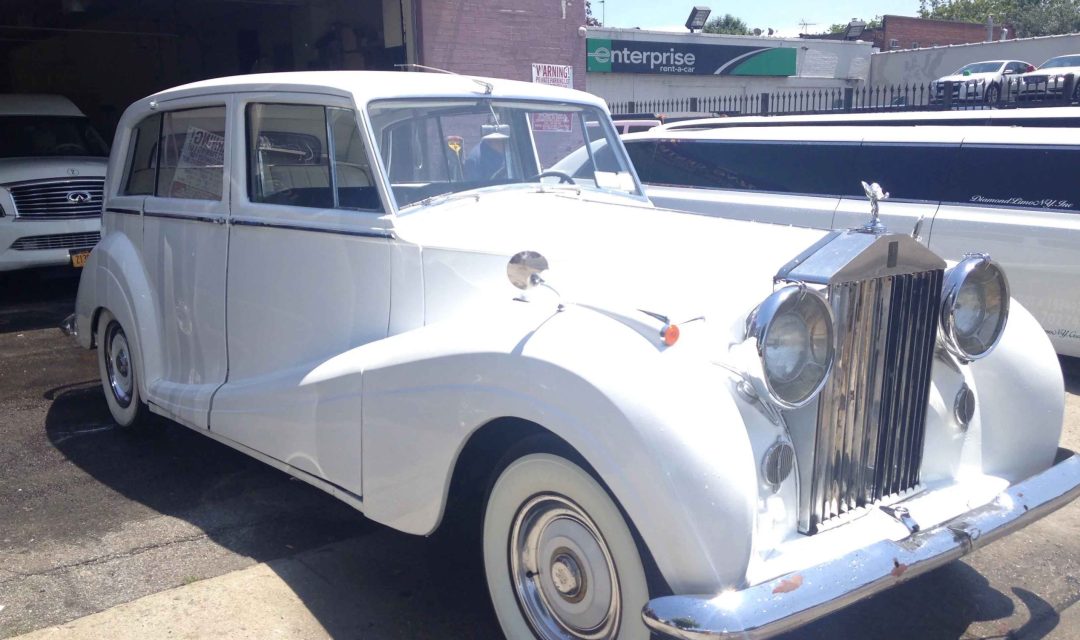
658 425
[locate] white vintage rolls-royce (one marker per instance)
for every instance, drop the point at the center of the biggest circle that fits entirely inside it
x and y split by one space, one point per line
663 422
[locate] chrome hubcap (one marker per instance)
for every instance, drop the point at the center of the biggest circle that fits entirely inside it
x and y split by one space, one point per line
118 364
563 574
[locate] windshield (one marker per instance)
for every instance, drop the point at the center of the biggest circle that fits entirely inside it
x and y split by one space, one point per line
433 147
1063 61
979 67
49 136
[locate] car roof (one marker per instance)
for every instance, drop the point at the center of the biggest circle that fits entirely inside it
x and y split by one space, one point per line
365 86
917 117
37 104
902 134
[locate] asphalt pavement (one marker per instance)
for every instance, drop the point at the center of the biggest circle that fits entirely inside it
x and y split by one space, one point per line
108 533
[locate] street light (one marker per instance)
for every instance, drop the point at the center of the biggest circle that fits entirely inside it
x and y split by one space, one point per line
697 18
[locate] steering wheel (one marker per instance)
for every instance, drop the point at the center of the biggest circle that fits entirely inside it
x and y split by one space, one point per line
564 178
69 147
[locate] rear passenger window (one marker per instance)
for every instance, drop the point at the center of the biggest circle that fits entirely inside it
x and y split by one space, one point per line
905 171
1025 177
142 157
192 154
308 156
784 167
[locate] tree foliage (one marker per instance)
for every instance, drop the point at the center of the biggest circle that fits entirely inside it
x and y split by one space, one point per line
1028 17
590 19
727 24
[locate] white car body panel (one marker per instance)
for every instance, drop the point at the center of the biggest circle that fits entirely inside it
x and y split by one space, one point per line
362 350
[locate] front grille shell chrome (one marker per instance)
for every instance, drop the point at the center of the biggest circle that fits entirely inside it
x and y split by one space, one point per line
885 293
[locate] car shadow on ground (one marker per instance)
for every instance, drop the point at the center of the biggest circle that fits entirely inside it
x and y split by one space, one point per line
1070 368
372 581
37 298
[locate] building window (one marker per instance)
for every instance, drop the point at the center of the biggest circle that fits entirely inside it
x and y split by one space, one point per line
894 44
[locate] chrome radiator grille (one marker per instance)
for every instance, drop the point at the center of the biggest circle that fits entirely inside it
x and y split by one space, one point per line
58 199
85 240
872 413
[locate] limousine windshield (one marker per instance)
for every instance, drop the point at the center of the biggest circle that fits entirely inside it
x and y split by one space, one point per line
435 147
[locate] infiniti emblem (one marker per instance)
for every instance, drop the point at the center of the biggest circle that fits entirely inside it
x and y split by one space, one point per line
78 197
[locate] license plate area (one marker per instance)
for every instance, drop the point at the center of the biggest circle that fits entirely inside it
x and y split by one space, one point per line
78 257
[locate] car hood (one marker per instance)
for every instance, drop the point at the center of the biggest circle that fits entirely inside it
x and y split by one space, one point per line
616 256
62 167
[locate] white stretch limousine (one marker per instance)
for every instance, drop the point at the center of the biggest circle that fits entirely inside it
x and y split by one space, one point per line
1011 192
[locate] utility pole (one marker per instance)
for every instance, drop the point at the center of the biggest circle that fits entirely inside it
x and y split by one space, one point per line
804 24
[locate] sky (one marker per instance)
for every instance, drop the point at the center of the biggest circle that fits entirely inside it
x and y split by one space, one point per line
784 16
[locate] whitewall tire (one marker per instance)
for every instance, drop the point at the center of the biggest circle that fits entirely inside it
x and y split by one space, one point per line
560 561
119 372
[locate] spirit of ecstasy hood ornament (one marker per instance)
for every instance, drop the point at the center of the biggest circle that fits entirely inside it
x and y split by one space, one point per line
875 195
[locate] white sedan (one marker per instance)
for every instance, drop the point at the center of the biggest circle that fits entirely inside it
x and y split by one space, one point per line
979 81
1049 80
650 422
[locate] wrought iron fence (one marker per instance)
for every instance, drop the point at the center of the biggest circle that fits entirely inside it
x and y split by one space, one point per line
1042 91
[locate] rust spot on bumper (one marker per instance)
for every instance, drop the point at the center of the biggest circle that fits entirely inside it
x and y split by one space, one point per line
788 584
898 568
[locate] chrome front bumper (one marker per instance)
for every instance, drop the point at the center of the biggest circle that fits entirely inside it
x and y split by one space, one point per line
795 599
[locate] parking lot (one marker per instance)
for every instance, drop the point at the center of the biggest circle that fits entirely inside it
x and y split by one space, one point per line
92 517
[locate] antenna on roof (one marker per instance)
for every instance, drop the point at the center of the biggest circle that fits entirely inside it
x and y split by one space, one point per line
488 87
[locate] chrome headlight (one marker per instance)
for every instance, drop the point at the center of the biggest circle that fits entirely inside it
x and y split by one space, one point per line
793 330
974 307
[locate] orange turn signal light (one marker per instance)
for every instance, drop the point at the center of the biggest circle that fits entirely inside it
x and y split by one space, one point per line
670 334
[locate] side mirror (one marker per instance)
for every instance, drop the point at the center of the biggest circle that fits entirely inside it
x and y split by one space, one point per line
524 269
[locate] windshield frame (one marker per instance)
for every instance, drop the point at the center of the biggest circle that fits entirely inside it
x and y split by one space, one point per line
638 195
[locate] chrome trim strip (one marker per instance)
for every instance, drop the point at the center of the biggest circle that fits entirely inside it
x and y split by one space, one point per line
360 233
185 217
794 599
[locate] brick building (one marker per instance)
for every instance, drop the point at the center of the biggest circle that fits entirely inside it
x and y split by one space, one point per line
501 39
903 32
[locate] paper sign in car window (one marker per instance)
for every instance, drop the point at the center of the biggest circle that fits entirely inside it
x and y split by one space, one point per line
199 170
552 122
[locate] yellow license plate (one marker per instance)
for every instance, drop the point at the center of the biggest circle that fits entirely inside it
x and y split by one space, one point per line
78 258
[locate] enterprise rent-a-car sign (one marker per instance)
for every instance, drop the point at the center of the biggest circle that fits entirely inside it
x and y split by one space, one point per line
635 56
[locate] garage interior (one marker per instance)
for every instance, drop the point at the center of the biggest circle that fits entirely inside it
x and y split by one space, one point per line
105 54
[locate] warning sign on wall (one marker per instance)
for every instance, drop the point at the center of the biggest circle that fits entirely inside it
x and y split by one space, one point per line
557 75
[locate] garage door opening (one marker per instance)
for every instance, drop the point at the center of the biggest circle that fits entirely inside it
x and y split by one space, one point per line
104 54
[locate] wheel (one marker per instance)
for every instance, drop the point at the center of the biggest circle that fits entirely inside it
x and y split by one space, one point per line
993 92
119 374
560 561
